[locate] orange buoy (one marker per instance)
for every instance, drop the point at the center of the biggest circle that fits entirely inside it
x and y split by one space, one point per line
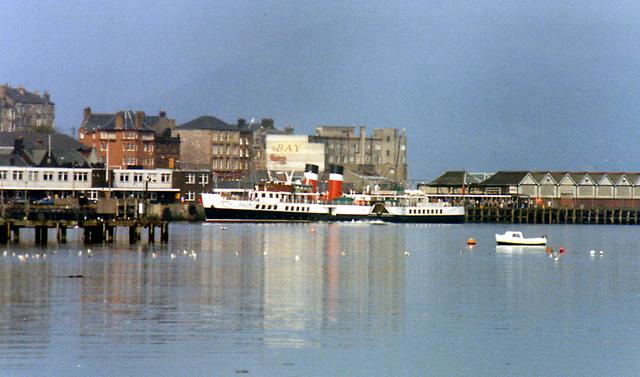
471 241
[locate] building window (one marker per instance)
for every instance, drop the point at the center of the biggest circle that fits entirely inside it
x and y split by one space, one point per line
190 196
47 176
31 175
63 176
124 177
165 177
80 176
103 146
137 177
130 147
3 175
191 178
204 179
388 153
130 135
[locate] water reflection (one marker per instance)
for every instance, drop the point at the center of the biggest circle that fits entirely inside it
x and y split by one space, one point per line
250 285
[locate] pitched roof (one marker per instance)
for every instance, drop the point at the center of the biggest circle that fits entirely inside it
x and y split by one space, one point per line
504 178
10 159
20 95
454 178
107 122
40 140
208 122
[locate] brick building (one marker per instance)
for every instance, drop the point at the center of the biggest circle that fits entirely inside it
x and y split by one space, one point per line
167 145
21 110
124 139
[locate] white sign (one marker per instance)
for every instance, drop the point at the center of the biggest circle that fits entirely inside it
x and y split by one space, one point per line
293 152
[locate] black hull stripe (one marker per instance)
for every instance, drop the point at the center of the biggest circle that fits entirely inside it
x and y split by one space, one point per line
520 244
215 214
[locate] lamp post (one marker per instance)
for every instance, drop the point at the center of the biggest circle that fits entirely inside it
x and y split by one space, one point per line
144 198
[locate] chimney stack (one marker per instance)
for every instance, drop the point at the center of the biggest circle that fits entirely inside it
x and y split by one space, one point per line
335 182
311 176
119 120
87 113
139 119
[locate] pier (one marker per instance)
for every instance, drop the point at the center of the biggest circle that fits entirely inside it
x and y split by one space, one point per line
98 225
538 215
93 231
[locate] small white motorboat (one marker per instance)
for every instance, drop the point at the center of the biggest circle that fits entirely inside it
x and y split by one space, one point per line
516 238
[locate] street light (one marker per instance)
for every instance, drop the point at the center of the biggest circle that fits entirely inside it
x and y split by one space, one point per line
146 188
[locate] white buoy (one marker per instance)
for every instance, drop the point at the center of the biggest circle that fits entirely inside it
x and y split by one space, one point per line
173 255
592 252
297 257
343 253
407 253
601 252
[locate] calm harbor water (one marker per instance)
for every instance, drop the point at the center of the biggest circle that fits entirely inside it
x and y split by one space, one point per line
324 299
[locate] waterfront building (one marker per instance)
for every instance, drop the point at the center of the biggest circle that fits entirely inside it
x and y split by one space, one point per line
36 165
384 154
455 182
212 144
191 183
124 139
550 189
21 110
155 185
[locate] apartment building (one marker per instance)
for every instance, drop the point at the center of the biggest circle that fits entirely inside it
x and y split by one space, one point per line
210 143
383 154
21 110
121 140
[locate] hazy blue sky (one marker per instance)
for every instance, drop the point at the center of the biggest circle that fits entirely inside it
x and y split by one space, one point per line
482 86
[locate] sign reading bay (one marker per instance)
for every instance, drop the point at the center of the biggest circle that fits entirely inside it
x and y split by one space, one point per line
292 152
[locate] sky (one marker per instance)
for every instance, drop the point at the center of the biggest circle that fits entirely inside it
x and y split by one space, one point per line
480 86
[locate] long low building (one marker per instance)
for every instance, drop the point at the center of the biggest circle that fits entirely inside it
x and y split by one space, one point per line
558 188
